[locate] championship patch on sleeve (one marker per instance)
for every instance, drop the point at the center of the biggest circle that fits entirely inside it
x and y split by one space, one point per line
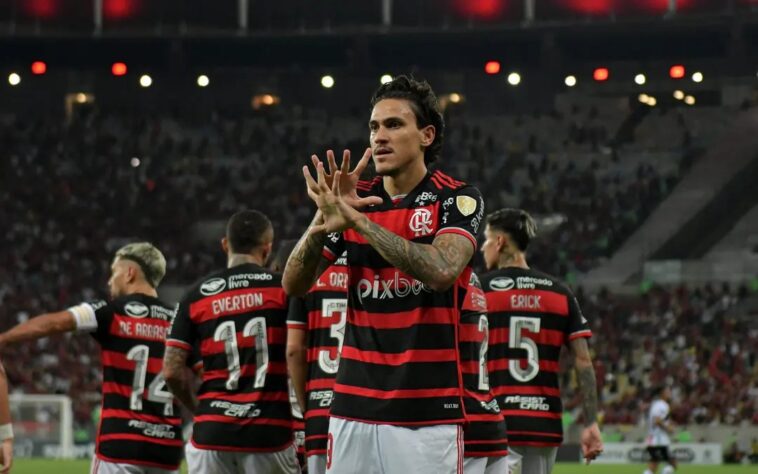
466 205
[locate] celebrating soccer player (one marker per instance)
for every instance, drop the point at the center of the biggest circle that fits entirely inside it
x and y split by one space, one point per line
236 320
410 235
140 430
531 315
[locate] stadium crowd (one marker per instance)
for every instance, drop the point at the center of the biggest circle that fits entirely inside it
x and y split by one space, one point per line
73 191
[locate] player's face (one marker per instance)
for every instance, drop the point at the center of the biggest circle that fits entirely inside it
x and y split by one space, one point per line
117 283
490 248
396 140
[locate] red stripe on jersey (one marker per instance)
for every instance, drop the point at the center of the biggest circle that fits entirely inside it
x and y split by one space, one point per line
460 231
179 344
550 337
444 177
246 396
274 335
129 415
408 393
117 360
402 319
328 254
489 441
484 417
315 437
141 438
529 301
317 321
502 364
118 389
296 325
245 300
397 220
578 334
436 182
470 366
246 370
317 384
400 358
526 390
532 443
243 421
471 333
333 279
484 454
316 413
535 433
530 414
148 329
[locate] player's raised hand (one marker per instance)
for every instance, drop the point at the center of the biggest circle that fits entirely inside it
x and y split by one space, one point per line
338 215
6 462
592 443
348 180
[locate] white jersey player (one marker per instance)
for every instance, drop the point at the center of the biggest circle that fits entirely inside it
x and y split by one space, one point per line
659 431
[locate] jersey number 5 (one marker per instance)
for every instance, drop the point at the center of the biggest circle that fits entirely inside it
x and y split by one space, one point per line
255 328
517 340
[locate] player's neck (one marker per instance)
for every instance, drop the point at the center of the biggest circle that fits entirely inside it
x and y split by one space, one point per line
236 259
142 289
516 259
405 180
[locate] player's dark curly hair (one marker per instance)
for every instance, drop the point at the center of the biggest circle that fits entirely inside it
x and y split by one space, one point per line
424 105
245 230
515 222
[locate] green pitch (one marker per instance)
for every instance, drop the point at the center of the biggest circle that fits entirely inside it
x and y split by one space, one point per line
39 466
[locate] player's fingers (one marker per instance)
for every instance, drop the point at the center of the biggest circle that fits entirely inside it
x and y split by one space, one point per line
321 177
332 161
363 163
336 183
345 162
312 185
368 201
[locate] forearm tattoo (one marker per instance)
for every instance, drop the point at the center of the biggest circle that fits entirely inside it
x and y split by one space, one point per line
588 388
441 262
175 362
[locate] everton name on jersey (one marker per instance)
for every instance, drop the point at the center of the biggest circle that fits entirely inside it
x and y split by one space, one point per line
236 318
139 422
531 315
322 313
400 358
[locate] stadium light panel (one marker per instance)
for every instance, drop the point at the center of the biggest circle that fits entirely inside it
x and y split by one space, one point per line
689 100
601 74
203 81
39 67
492 67
455 98
643 98
385 79
697 77
677 71
14 79
327 82
81 98
135 162
678 95
145 80
570 81
640 79
514 78
651 101
118 69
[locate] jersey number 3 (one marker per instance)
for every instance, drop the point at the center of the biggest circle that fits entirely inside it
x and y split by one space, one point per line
330 307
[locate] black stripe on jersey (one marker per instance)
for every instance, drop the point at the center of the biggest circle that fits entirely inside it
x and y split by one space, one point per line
238 437
394 341
426 375
396 410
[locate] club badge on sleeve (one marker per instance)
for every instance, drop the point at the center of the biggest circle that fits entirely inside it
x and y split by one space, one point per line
466 204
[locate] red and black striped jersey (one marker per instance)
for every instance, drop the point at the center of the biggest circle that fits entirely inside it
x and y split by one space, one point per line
400 362
322 313
237 319
139 422
531 316
484 435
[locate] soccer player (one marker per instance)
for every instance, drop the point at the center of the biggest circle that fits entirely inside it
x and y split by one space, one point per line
485 438
140 429
236 320
659 429
315 331
398 395
6 429
531 316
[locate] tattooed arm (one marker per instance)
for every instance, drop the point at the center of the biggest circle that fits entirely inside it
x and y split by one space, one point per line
305 264
177 376
591 442
437 265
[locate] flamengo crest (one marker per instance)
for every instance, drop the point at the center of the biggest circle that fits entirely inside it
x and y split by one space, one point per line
421 222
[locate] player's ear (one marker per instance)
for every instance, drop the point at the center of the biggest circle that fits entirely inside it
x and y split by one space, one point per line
225 244
502 242
427 135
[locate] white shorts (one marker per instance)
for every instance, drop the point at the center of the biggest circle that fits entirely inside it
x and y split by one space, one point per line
317 464
486 465
205 461
104 467
387 449
531 459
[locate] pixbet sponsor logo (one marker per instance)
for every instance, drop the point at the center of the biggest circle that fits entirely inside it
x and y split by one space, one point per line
398 287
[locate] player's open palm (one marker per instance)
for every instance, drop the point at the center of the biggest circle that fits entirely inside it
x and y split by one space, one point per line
592 443
6 461
337 214
348 180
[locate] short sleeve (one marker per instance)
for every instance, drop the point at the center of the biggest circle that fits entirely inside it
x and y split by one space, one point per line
462 213
92 316
182 333
297 314
334 246
578 325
